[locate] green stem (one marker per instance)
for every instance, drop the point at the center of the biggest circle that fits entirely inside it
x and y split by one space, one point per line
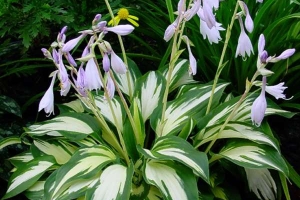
231 115
221 65
122 49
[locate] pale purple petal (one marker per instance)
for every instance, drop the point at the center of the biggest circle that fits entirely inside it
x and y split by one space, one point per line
244 45
192 60
47 102
80 82
71 59
110 87
284 55
193 10
213 34
259 106
106 62
63 77
169 32
181 6
72 43
261 44
248 21
208 15
276 90
117 64
121 29
46 53
92 78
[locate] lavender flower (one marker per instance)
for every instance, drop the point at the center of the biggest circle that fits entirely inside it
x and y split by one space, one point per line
117 64
92 79
244 42
259 106
63 77
80 82
71 59
213 34
276 90
248 21
72 43
47 102
192 60
110 87
121 29
106 62
208 15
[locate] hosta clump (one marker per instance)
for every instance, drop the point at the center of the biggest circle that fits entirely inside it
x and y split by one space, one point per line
154 138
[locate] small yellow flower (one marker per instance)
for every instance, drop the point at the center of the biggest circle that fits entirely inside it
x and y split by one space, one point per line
123 14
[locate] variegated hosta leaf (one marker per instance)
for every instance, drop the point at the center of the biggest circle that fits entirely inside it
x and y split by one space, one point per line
180 75
176 148
74 126
117 109
36 191
25 176
237 130
61 153
175 181
83 165
179 111
9 141
261 183
114 183
243 114
154 194
251 155
21 160
149 92
75 105
122 80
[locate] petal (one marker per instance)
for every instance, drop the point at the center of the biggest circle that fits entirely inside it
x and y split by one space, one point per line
47 102
92 78
121 29
261 44
133 22
117 64
169 32
106 62
72 43
258 109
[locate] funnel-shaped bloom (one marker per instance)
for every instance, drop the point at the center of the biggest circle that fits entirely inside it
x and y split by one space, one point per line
248 21
244 43
47 102
106 62
117 64
259 106
213 34
192 60
110 87
63 77
276 90
92 78
208 15
80 82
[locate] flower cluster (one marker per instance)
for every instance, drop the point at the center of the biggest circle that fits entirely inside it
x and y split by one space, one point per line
88 75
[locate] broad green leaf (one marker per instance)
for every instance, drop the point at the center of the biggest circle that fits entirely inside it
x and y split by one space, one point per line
175 181
56 150
180 75
251 155
24 177
149 92
9 105
35 191
237 130
84 164
114 183
176 148
188 103
75 105
21 160
9 141
74 126
117 109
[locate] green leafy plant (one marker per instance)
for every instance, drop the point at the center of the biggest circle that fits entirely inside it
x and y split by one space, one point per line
163 135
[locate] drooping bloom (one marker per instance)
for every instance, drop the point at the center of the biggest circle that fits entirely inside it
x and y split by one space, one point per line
208 15
71 59
192 60
117 64
47 102
80 82
213 34
121 29
259 106
123 14
63 77
248 21
92 78
244 42
106 62
110 87
169 32
261 183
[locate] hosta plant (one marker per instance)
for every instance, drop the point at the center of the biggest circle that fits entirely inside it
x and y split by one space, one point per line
159 135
